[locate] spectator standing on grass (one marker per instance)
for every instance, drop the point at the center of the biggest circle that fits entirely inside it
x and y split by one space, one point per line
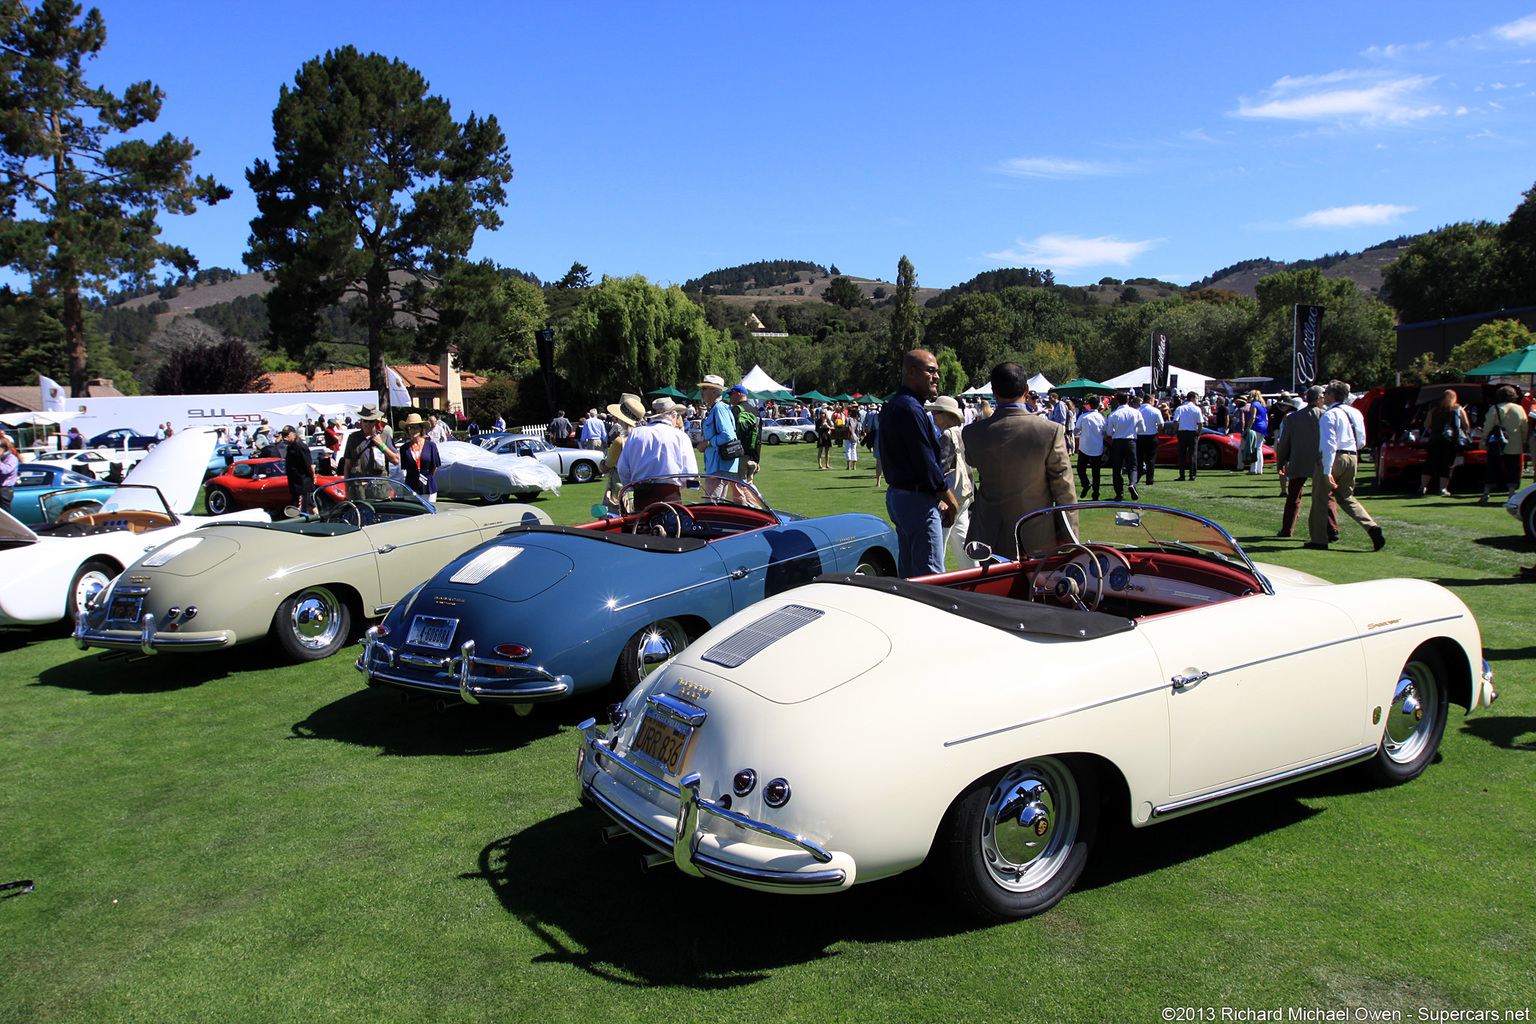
957 474
659 448
918 500
1090 446
628 412
1504 435
500 425
1189 419
717 433
419 458
748 431
1296 455
594 436
300 468
1146 439
10 471
368 452
1341 439
560 430
1120 427
1446 432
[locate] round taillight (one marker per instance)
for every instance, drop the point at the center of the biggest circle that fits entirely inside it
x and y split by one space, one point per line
776 793
516 652
742 784
616 715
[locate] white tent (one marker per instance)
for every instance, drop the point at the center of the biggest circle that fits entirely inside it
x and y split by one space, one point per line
757 379
1189 380
1040 385
979 389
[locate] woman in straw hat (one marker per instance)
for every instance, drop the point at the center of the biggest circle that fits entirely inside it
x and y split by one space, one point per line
628 411
419 458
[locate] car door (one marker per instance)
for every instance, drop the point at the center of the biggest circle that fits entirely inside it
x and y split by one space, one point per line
1257 685
409 551
773 559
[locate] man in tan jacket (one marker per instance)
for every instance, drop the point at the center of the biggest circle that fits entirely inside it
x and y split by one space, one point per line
1023 462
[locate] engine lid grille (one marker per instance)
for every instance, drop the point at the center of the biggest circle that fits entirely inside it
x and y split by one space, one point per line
751 640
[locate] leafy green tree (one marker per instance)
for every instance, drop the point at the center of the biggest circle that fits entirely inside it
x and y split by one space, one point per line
376 193
630 335
577 277
841 291
1490 341
1357 342
227 367
1455 271
952 379
94 202
1518 239
498 396
906 318
490 316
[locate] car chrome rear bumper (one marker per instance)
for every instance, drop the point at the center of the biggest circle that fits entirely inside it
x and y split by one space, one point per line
147 640
795 866
521 684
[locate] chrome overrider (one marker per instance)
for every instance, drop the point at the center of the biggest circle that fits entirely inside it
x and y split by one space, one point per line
683 845
519 683
148 634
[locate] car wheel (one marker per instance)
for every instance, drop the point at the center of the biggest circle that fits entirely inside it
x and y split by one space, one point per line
312 624
90 579
648 648
1014 844
810 437
1415 720
583 472
1528 517
494 498
872 563
151 445
772 439
1207 456
217 500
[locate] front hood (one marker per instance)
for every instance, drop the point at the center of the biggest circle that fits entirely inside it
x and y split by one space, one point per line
176 467
14 530
1280 576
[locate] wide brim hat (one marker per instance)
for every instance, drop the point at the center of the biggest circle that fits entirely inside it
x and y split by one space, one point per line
661 406
370 414
713 380
944 403
628 410
414 420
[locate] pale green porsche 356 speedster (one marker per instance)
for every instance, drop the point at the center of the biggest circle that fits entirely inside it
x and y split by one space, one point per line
306 581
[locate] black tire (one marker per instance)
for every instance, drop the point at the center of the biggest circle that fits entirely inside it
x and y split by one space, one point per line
648 648
875 563
1207 456
1528 517
494 499
1014 843
1415 721
89 578
312 624
810 437
773 440
218 501
583 472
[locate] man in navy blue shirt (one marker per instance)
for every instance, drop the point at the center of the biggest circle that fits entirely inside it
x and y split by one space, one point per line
917 499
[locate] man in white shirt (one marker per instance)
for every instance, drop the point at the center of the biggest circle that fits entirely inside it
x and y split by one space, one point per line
1341 439
1189 419
1122 423
1090 445
1146 437
657 449
438 432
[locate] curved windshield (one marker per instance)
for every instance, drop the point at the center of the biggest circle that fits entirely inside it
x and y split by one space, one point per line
1131 527
696 489
369 488
124 498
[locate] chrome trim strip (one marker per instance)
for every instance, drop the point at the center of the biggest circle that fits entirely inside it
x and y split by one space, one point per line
681 710
533 690
753 825
727 577
1267 782
1332 643
86 639
833 877
1057 714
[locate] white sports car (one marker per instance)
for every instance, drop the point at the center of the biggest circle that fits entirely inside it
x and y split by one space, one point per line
47 574
469 471
1135 663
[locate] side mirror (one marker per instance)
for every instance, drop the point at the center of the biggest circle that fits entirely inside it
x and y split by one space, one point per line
292 512
600 511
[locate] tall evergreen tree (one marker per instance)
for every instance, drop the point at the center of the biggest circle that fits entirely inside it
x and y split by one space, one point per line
95 202
376 193
906 320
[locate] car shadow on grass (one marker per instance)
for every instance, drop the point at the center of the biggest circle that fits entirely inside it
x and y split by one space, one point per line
377 718
1505 542
1481 581
1504 732
595 909
129 674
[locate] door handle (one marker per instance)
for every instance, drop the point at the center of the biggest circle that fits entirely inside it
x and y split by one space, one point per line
386 549
741 574
1185 682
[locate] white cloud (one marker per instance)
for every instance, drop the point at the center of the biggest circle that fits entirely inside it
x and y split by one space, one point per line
1068 252
1352 216
1521 31
1053 167
1335 97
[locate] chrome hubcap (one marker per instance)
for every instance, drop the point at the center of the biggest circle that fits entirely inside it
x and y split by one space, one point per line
91 584
315 618
1411 717
662 641
1030 824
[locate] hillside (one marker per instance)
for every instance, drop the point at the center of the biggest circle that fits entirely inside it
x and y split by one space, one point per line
1363 268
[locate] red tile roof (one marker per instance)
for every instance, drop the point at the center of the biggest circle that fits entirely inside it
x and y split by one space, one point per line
418 376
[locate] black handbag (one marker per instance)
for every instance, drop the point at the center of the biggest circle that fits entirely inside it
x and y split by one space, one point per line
732 450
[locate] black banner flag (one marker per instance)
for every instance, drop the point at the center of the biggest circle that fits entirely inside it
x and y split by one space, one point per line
1159 361
1308 329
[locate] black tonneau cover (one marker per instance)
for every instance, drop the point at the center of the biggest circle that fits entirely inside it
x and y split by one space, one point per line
1006 613
643 541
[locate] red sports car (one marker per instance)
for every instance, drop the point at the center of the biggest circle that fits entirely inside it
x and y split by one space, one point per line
1394 425
254 483
1213 449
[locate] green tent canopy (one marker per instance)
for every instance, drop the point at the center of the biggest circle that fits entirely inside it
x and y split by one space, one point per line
813 396
868 400
1517 362
668 392
841 398
1083 386
771 396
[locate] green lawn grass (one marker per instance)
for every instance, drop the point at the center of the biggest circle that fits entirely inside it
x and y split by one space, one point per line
229 838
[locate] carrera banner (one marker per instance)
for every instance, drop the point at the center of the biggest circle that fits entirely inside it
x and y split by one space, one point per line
1308 328
1159 361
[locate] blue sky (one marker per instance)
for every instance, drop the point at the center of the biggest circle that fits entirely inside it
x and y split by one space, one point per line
1115 139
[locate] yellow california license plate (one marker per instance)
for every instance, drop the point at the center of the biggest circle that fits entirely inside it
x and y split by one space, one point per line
661 741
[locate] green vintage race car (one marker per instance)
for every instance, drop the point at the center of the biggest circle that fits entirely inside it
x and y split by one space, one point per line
306 581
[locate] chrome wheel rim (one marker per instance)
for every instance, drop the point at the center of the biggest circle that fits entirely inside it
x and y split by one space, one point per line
1030 824
1411 718
88 586
659 643
218 504
583 473
867 569
316 618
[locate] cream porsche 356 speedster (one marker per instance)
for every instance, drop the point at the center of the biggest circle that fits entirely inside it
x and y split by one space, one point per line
305 580
1134 662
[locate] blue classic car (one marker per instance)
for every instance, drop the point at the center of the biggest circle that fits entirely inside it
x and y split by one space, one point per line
542 612
35 479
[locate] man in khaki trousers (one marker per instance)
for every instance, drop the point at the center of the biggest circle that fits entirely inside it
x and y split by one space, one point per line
1342 438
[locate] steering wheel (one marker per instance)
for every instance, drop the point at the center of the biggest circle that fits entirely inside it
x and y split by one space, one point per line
355 511
1067 588
657 516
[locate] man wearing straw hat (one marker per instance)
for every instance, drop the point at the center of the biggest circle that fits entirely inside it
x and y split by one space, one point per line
368 452
627 412
659 448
